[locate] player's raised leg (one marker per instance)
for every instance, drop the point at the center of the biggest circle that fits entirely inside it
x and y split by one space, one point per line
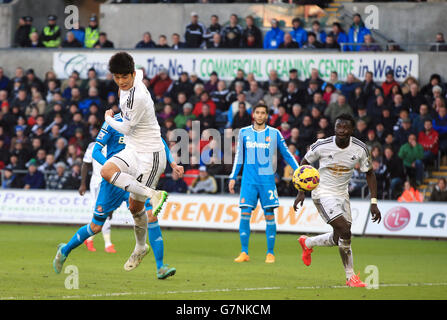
307 243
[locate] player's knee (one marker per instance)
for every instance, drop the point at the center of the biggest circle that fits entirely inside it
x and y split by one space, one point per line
95 228
269 217
150 217
345 233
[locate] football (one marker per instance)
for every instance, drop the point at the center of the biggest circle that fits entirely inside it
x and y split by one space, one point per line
306 178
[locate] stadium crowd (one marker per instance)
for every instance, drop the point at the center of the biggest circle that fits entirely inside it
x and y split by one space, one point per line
46 124
216 36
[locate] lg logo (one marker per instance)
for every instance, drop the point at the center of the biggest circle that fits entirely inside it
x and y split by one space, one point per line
396 219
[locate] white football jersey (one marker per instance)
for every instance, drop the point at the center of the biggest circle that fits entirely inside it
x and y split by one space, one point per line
96 171
337 165
137 107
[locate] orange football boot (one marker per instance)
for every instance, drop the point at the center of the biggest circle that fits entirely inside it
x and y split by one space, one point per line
89 244
355 281
243 257
306 256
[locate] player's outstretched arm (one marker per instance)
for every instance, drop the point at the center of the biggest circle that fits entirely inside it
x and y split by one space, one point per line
122 127
301 194
372 185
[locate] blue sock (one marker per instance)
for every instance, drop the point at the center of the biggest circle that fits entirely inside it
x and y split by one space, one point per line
244 231
270 232
80 236
156 241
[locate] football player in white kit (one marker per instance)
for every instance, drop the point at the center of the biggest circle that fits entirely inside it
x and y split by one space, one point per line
138 167
88 163
337 156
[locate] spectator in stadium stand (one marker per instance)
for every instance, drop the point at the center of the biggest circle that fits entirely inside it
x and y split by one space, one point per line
312 42
338 108
388 83
320 34
181 119
314 75
34 179
397 105
91 32
103 42
160 83
419 119
198 89
368 85
349 85
410 194
35 41
207 120
194 78
251 35
242 118
49 164
429 140
10 179
293 76
33 81
395 171
279 117
440 125
273 79
307 132
59 179
255 94
414 99
439 192
412 154
369 44
299 35
4 81
51 33
195 32
274 37
357 32
78 32
174 184
310 90
23 32
427 90
166 113
204 99
288 43
440 44
232 34
182 84
205 183
216 42
146 42
240 77
331 43
211 84
92 97
273 92
71 41
162 42
339 35
214 28
176 43
234 108
292 95
219 96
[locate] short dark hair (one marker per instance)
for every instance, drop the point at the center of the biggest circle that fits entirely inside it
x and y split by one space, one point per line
121 63
261 106
346 117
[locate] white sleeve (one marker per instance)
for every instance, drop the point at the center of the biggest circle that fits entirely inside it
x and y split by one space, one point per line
122 127
365 161
312 154
88 155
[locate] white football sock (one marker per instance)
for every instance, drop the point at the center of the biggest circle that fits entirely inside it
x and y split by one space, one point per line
344 247
140 230
322 240
127 182
106 233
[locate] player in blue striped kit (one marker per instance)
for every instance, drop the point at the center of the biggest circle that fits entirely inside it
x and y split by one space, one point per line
109 199
257 150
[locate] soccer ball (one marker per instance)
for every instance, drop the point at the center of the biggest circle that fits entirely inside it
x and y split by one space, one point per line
306 178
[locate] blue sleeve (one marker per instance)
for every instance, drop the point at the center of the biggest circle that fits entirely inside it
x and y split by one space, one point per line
239 157
168 152
285 152
101 141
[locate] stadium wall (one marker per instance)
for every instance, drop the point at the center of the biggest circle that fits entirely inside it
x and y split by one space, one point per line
42 60
222 213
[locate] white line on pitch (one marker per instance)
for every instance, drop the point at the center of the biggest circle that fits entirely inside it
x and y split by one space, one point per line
119 294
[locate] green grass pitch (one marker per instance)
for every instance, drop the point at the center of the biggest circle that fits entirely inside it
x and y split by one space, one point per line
408 269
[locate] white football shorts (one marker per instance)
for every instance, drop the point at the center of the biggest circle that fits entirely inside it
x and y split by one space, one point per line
331 208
